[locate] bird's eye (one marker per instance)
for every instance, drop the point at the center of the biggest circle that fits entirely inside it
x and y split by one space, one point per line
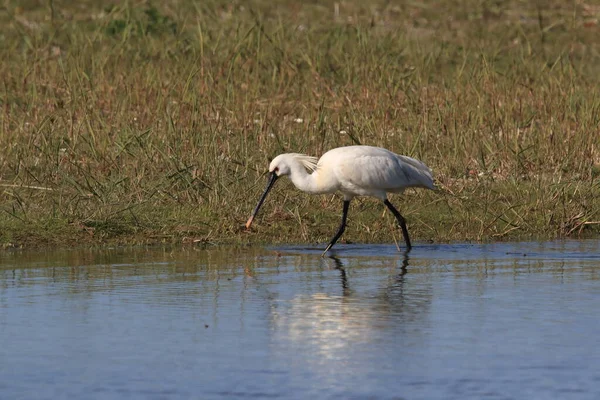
276 169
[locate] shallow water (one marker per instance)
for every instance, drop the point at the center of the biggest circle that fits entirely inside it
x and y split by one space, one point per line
499 321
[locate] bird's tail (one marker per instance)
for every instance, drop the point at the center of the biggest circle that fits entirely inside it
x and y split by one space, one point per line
419 173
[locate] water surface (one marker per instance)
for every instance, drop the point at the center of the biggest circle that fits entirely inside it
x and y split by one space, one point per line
499 321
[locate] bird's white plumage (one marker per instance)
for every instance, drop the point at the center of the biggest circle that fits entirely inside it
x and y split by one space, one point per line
373 171
354 171
308 162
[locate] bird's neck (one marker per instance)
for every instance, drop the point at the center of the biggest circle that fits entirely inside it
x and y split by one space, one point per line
303 180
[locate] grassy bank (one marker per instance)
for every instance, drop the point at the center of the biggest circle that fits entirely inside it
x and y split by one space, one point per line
150 122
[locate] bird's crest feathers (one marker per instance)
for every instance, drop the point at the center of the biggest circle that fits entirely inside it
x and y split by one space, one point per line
309 162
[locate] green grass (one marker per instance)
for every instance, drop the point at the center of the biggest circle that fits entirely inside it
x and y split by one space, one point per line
142 122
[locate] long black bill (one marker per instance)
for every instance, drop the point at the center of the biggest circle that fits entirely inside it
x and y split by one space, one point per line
262 199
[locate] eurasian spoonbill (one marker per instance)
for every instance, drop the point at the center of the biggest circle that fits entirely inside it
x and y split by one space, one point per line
352 171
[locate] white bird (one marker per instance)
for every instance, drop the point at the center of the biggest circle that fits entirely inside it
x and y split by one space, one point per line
353 171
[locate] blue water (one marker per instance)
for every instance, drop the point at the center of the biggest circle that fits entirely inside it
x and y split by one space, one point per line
456 321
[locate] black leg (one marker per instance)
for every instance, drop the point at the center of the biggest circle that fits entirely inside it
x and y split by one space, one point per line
401 222
341 228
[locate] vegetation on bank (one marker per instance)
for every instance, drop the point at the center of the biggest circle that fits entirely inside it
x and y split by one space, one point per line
144 122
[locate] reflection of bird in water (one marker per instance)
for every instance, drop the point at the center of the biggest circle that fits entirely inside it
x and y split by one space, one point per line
339 265
396 297
403 267
371 308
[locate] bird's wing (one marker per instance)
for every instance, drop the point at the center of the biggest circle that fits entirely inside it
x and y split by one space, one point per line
419 174
383 171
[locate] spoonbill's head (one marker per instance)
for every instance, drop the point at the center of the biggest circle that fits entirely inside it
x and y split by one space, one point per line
280 166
